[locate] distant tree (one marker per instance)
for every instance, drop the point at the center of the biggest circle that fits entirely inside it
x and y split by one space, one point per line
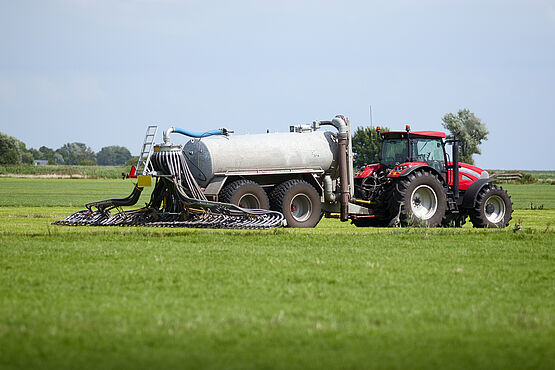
10 149
75 153
26 154
27 158
470 130
35 153
46 153
57 158
49 155
366 146
113 156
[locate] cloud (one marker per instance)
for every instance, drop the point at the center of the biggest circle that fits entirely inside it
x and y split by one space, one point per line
7 91
75 87
49 90
87 88
551 14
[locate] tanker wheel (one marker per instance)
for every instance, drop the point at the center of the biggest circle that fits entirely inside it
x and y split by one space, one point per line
246 194
418 200
299 202
493 208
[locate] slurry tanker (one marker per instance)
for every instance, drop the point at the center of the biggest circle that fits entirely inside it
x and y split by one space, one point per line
220 180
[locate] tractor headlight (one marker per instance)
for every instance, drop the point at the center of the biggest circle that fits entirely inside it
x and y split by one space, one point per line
400 168
396 171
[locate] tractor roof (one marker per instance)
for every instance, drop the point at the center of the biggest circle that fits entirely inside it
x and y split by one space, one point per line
437 134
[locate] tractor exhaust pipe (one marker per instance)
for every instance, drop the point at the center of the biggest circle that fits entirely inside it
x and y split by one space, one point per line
455 166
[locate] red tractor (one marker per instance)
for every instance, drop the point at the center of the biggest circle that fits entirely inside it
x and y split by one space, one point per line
416 184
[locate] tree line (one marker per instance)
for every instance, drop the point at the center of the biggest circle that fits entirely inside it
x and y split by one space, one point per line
14 151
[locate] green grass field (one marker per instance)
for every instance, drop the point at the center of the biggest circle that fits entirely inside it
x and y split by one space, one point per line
95 172
335 296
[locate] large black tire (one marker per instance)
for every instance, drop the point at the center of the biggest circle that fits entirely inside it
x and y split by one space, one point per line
246 194
418 200
298 201
493 208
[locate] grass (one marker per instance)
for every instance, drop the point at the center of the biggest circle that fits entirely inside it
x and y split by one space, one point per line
331 297
95 172
541 175
534 194
77 192
63 192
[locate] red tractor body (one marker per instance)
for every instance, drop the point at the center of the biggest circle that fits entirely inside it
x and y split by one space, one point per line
416 183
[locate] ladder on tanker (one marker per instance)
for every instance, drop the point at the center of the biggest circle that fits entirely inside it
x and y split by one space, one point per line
146 150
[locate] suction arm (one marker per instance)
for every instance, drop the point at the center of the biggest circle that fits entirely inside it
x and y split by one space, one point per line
345 162
340 123
198 135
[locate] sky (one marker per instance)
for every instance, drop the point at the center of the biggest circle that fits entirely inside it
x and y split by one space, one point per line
101 71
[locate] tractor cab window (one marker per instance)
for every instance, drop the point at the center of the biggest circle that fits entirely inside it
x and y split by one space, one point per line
429 151
394 151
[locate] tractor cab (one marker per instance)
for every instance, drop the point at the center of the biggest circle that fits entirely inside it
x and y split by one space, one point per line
401 148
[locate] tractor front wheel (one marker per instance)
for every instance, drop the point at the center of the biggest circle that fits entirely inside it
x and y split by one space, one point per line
418 200
493 208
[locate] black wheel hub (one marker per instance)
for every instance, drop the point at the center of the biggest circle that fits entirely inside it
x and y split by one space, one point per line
490 208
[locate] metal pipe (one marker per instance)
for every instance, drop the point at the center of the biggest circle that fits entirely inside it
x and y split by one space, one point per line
343 179
339 122
342 126
329 195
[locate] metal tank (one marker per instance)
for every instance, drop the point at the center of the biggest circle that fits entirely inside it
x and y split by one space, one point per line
269 153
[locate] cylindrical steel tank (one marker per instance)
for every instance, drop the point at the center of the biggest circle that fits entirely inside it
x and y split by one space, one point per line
266 153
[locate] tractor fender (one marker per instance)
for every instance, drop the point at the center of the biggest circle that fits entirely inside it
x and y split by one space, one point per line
423 167
470 195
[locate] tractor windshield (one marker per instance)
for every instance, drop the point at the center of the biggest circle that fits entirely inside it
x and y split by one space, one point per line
429 151
394 151
423 149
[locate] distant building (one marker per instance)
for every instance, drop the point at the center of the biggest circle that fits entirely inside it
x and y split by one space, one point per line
40 162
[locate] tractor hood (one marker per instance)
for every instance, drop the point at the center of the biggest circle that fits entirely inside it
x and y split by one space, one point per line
472 171
368 170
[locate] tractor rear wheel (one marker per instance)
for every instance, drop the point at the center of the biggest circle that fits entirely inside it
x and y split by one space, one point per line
418 200
298 201
493 208
245 194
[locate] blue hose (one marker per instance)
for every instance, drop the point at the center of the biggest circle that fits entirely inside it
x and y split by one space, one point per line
200 135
